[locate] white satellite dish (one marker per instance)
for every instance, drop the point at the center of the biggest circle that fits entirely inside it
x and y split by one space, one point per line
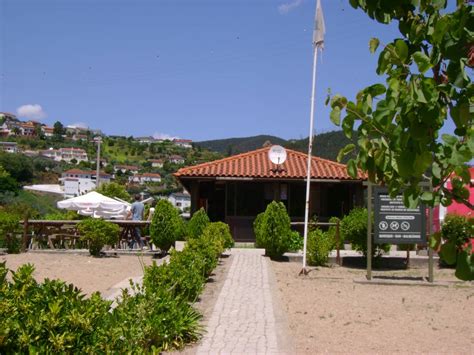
277 154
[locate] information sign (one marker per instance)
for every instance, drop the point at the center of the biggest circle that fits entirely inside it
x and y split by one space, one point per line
396 224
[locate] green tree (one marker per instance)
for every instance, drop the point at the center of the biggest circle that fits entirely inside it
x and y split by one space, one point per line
7 183
112 189
58 131
426 84
19 166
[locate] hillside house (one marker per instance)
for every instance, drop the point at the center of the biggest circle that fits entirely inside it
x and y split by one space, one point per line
180 200
47 131
77 182
183 143
145 178
66 154
176 159
156 163
236 189
124 168
9 147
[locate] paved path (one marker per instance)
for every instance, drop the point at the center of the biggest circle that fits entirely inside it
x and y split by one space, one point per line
245 319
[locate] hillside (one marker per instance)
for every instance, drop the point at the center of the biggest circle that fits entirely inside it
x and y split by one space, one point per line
326 145
231 146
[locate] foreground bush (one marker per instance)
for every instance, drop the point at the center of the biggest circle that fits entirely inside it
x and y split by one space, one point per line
197 223
9 225
184 275
53 317
219 231
353 228
98 233
319 246
166 225
296 241
48 317
455 245
272 230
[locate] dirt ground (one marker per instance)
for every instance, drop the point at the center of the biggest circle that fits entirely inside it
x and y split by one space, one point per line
88 273
329 313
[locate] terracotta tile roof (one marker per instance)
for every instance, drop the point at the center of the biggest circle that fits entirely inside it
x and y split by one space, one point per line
255 164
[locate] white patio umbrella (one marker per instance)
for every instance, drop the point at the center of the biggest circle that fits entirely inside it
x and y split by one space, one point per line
95 204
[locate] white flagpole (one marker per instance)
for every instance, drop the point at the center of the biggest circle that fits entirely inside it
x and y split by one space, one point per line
318 42
310 149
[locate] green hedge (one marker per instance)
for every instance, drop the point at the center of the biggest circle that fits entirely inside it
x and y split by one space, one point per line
55 317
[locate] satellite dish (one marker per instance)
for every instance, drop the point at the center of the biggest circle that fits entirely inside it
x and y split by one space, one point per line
277 154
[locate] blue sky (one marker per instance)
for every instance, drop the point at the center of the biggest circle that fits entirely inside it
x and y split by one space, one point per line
194 69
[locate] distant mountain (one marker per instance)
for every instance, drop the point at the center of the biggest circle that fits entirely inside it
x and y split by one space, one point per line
326 145
231 146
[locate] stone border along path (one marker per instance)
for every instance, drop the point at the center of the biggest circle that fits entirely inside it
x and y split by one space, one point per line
246 318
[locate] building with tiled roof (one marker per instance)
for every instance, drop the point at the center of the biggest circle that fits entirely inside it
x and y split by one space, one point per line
145 178
237 188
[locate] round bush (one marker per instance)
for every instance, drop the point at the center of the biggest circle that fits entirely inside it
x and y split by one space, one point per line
353 228
319 246
221 232
166 225
98 233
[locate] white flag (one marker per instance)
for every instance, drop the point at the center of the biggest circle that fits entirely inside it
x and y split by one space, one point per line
319 27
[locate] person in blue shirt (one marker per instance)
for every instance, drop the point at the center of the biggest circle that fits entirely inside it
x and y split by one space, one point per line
136 213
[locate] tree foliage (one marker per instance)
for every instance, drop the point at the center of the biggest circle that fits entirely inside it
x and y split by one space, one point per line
426 84
112 189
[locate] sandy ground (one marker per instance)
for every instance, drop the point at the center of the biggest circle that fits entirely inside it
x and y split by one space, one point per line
329 313
88 273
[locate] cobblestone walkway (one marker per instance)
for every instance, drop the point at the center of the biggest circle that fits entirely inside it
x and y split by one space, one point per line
243 320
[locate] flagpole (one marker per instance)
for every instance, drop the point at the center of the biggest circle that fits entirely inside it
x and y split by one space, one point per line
318 42
310 150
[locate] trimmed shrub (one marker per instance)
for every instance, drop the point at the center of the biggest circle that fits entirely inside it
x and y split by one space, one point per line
98 233
296 241
166 225
353 228
51 317
457 229
197 223
456 246
319 245
208 250
274 230
258 229
332 231
9 225
182 276
221 232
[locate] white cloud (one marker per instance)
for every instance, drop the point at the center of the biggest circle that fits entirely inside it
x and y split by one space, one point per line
288 6
32 112
80 125
158 135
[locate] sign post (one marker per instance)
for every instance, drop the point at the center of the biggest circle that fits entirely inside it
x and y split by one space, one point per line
395 223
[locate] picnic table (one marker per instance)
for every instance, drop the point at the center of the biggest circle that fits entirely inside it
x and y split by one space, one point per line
64 232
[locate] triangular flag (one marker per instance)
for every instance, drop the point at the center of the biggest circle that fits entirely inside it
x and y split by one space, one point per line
319 27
